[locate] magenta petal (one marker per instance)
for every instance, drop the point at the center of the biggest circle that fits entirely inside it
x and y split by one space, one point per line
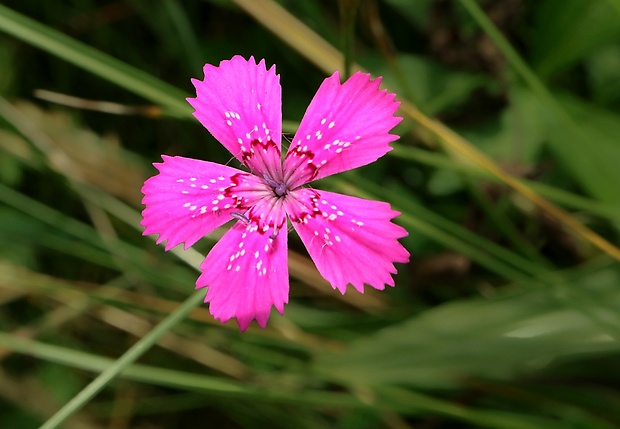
351 240
345 126
240 102
190 198
247 271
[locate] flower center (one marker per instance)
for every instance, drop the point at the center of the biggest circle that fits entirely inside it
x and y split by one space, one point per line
279 188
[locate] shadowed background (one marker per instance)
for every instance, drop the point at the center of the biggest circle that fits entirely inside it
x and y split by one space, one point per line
506 174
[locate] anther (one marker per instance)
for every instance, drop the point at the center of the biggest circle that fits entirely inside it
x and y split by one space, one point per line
241 217
278 188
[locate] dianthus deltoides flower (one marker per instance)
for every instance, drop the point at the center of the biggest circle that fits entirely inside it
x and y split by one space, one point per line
351 240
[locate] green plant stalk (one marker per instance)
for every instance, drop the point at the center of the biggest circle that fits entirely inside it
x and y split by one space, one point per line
409 402
130 356
54 42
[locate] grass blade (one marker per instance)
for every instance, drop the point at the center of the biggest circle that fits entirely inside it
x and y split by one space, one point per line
54 42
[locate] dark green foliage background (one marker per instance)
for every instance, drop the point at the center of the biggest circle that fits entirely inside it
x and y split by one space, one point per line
504 318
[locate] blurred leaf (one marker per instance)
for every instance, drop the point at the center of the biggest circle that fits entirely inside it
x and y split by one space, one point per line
13 228
592 156
565 31
61 385
514 333
7 73
18 419
10 171
445 182
518 134
603 68
417 12
432 87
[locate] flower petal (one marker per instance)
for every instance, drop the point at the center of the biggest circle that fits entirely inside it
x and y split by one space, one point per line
240 103
247 271
351 240
345 126
190 198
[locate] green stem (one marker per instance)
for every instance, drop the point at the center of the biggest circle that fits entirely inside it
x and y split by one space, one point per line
123 362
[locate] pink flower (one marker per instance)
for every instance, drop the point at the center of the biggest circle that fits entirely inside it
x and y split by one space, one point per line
351 240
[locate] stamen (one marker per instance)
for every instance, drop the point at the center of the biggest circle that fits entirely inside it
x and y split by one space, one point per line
241 217
278 188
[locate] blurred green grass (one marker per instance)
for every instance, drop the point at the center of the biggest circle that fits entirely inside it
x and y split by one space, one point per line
507 315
